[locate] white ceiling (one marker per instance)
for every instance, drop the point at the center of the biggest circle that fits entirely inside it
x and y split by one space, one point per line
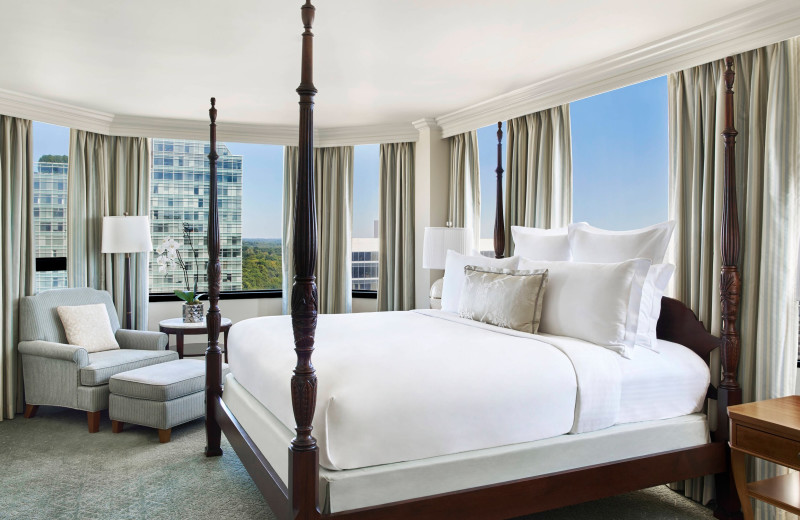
376 61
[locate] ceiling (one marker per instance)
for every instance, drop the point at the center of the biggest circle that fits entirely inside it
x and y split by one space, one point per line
376 61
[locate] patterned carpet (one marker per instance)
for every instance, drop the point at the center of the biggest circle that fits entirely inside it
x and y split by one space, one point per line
52 468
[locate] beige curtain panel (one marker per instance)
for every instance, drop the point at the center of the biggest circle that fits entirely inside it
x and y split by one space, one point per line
396 223
464 208
333 170
767 99
538 171
107 176
16 249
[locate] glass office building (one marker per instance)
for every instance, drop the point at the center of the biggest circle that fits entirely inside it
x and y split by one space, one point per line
179 200
50 220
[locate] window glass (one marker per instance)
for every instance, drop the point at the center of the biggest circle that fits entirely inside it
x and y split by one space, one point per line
620 157
366 185
250 206
50 151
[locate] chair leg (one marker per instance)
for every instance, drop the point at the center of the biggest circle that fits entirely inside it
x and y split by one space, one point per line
164 435
30 410
94 421
116 426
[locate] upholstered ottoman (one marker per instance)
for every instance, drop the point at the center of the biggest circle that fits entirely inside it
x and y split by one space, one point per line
159 396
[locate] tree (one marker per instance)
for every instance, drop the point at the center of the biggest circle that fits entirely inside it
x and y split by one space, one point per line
64 159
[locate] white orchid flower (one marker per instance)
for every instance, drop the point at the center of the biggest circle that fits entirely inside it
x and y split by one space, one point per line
162 248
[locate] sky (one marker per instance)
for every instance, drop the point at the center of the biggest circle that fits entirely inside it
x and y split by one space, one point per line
619 158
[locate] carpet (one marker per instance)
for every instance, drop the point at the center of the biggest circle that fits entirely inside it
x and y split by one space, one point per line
53 468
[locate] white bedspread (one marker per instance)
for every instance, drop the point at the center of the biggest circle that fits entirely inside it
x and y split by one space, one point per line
400 386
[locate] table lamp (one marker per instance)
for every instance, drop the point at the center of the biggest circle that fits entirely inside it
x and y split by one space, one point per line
126 235
437 241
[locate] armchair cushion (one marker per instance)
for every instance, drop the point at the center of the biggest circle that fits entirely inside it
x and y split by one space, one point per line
88 326
103 365
48 349
142 339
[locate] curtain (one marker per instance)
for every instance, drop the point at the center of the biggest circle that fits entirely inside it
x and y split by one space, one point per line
767 177
396 235
465 184
16 250
333 170
108 176
539 171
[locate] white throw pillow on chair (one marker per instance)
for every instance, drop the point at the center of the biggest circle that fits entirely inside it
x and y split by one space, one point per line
88 326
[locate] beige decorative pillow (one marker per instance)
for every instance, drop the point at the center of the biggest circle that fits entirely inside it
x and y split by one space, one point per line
88 326
503 297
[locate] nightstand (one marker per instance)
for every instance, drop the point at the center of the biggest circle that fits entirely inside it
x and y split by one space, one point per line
768 430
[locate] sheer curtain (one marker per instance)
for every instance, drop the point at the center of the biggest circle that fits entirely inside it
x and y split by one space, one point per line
395 271
16 250
768 188
108 175
539 171
465 183
333 174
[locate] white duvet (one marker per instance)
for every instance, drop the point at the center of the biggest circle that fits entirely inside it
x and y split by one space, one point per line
398 386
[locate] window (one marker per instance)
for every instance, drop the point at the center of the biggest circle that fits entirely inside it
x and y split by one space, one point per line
366 186
250 195
51 147
487 155
620 157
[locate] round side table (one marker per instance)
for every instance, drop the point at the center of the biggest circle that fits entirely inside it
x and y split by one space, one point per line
179 328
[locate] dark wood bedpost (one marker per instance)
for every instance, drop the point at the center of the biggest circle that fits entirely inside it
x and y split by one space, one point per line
499 224
729 392
303 452
213 319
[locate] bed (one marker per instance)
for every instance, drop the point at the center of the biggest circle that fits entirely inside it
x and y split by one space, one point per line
414 417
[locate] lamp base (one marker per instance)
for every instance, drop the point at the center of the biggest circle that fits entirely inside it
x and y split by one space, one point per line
435 296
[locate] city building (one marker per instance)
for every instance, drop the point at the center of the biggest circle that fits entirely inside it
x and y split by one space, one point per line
50 220
179 200
365 264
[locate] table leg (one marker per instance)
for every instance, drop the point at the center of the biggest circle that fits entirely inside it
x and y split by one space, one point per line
225 342
740 479
179 340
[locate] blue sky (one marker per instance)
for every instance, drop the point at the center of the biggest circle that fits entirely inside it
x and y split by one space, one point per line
619 157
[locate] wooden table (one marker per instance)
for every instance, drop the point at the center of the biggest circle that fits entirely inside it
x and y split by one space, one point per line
768 430
179 328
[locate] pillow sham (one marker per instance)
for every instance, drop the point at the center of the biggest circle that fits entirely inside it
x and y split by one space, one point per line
454 274
503 297
541 244
655 284
88 326
598 303
591 244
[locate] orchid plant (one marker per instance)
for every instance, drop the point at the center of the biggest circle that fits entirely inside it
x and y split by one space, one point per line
169 256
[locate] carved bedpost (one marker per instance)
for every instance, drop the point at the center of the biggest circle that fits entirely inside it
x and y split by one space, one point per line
499 224
303 452
213 319
729 392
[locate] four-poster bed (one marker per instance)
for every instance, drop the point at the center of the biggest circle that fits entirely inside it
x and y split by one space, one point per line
296 494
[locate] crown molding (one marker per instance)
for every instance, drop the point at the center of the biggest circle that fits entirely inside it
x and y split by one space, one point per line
39 109
768 22
425 122
368 134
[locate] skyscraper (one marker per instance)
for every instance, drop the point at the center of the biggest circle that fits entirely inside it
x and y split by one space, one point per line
179 199
50 220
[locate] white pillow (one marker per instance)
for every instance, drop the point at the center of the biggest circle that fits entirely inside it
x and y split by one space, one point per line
650 309
88 326
541 244
454 276
591 244
598 303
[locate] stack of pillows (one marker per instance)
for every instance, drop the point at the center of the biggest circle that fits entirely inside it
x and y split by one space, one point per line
604 287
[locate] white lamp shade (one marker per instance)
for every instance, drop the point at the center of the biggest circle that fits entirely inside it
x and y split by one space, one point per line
438 240
126 235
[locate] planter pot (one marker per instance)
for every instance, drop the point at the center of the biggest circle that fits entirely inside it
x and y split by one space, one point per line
193 313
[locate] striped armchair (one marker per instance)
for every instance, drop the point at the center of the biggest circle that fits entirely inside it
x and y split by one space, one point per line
58 374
